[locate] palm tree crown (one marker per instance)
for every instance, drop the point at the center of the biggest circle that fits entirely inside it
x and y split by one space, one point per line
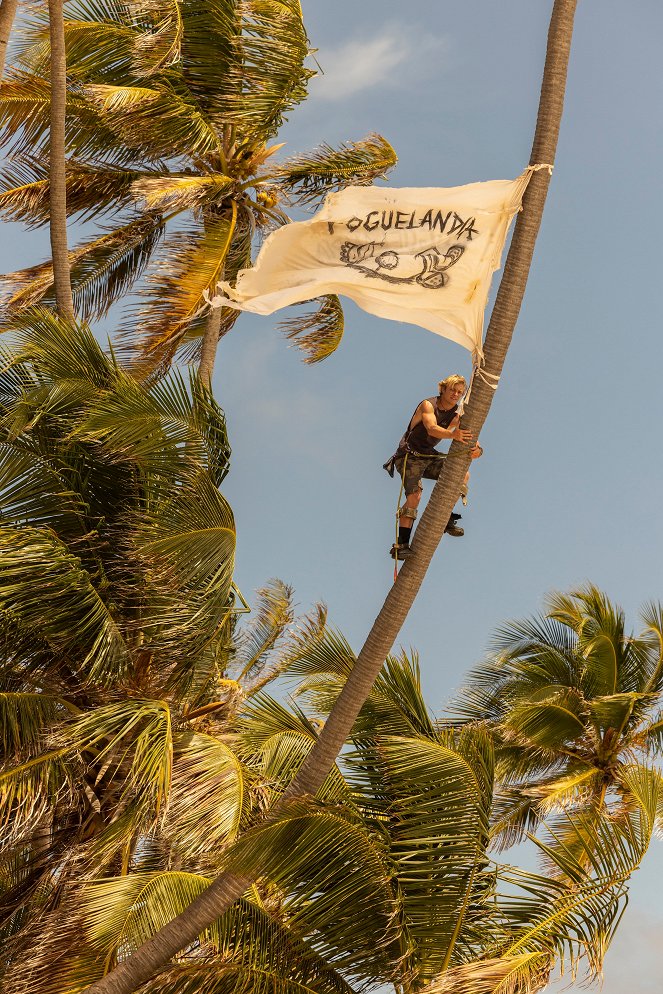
574 700
171 106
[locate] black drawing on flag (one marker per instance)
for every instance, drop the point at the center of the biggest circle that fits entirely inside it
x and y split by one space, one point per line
427 268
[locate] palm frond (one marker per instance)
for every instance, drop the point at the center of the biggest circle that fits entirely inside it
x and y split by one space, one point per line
523 974
102 270
187 545
245 63
134 737
311 175
319 333
99 43
338 878
278 739
191 264
172 430
24 718
210 796
155 121
25 121
29 789
46 588
91 190
31 488
438 805
181 193
269 620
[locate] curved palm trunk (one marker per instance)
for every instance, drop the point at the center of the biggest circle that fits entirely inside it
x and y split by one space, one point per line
57 164
228 887
7 14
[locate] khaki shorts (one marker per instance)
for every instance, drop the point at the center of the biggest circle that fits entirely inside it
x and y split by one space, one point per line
419 467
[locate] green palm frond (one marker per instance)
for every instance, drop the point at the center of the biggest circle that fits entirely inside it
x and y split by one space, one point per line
191 264
56 350
278 739
245 63
172 430
270 618
91 190
319 333
135 738
652 617
29 789
98 39
210 797
311 175
187 546
102 270
338 878
25 121
550 719
576 911
227 978
32 489
160 46
652 734
158 122
438 803
46 588
24 718
122 912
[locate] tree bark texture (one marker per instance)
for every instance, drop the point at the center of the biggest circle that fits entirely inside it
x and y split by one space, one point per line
57 164
228 887
7 14
210 342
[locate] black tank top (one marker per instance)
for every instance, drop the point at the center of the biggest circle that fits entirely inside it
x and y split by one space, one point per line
417 439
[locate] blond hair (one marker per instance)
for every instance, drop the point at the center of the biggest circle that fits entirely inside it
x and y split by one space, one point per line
451 381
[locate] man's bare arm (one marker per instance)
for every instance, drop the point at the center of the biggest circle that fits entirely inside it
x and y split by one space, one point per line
433 428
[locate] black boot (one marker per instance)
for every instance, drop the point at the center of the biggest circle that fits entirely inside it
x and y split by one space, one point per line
400 551
452 527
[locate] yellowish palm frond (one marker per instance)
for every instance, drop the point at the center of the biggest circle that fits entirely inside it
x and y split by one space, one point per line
157 121
181 193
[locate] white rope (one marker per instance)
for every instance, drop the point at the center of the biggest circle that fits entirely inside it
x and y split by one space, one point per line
541 165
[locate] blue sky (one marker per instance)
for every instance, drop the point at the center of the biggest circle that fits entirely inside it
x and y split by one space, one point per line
571 483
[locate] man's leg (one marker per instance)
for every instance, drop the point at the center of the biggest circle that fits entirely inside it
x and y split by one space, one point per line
408 514
432 472
410 472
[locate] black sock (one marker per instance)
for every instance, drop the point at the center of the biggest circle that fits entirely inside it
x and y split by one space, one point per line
404 535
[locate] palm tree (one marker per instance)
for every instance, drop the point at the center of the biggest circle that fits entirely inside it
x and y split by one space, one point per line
7 14
171 109
573 700
57 181
230 886
384 879
122 664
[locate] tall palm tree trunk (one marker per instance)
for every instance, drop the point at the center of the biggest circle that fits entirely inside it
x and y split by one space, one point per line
228 887
57 164
7 14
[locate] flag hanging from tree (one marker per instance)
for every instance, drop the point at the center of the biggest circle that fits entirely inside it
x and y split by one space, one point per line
423 256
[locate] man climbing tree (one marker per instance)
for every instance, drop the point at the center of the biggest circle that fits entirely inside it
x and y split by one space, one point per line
416 457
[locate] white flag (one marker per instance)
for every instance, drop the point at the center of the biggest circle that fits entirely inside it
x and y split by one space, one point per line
424 256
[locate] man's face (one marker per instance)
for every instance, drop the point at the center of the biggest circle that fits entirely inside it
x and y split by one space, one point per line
452 393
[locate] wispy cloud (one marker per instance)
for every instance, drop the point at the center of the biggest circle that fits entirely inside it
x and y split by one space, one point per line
360 65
